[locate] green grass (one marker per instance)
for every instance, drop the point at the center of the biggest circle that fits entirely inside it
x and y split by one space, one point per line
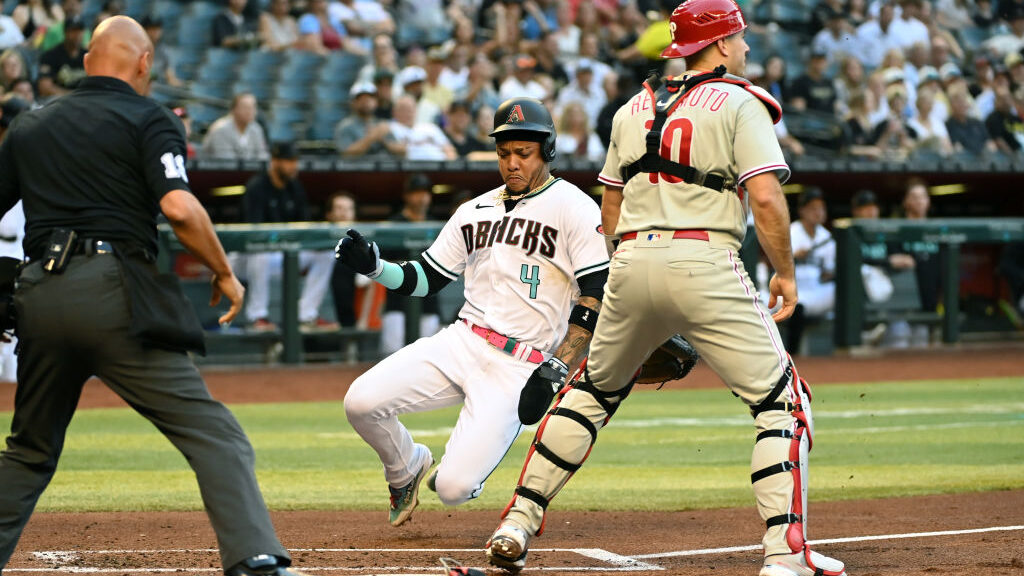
665 450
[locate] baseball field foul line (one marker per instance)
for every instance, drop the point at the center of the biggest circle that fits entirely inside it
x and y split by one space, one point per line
706 551
614 562
59 559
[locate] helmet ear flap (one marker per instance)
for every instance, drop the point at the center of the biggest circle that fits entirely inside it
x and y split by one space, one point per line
548 149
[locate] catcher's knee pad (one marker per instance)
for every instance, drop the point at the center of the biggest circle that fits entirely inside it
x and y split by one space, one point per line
779 462
561 445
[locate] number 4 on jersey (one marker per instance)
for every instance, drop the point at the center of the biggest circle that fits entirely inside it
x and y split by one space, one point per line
530 275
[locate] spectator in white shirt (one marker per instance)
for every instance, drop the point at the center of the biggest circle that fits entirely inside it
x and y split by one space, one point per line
410 81
362 19
908 26
422 140
10 34
581 90
877 37
522 82
576 136
1013 40
837 38
931 132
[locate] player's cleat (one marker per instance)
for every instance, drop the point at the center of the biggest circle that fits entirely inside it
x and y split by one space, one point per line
405 499
507 547
806 563
432 481
262 565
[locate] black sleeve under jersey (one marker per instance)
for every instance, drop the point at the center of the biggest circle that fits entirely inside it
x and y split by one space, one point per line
410 280
435 280
593 284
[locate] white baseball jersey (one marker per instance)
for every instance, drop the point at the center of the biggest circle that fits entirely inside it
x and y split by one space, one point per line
720 128
521 266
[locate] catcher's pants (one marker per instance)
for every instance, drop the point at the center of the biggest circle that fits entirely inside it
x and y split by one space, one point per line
699 289
455 366
75 325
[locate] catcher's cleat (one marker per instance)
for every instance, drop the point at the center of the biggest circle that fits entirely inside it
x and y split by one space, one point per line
405 499
262 565
804 563
507 547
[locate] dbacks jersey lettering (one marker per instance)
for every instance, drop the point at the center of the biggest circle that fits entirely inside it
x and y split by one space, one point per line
521 266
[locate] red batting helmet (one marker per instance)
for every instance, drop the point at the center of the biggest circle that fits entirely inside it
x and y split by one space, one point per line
699 23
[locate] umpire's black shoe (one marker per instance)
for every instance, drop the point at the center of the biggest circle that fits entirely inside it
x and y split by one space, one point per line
262 565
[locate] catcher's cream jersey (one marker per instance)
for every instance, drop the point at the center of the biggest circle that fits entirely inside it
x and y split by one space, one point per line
521 266
719 128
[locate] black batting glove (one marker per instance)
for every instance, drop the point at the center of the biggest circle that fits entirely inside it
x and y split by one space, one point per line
356 253
540 390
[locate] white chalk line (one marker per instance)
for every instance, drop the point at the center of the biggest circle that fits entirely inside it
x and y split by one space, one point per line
820 415
708 551
616 562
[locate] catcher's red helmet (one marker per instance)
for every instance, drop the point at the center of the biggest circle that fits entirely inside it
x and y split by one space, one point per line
698 23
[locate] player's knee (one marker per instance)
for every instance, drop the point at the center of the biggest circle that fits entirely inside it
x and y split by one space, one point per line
360 400
455 489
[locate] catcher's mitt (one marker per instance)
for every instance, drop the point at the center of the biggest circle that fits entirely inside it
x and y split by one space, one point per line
673 360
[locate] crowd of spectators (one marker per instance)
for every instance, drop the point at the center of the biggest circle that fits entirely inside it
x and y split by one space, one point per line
870 79
865 78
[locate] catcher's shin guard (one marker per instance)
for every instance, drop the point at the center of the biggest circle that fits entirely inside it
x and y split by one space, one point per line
779 462
562 443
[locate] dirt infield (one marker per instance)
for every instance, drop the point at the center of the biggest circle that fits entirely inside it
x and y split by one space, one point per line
967 534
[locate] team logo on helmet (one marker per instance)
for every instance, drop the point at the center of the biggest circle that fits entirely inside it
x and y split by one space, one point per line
516 115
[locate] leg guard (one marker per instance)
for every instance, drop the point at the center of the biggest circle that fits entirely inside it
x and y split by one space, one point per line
562 443
779 463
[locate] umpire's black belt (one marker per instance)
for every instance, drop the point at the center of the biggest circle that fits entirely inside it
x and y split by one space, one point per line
86 246
90 246
655 163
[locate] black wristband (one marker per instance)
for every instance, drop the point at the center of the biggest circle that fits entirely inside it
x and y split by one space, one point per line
583 317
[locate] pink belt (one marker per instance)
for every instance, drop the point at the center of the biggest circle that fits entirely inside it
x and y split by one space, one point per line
507 345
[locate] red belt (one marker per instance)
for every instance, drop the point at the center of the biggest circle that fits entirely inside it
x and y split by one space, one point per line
687 234
504 343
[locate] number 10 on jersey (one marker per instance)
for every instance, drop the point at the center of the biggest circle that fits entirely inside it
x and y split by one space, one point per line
684 128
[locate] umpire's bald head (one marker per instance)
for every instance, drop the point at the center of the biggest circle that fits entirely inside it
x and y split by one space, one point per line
120 48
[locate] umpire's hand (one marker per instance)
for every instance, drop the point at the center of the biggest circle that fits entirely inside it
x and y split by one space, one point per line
355 252
232 289
540 390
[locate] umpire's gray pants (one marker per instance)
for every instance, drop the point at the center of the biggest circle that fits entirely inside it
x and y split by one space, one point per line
76 325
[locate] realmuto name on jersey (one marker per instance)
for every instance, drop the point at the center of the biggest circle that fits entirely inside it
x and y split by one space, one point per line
703 96
531 235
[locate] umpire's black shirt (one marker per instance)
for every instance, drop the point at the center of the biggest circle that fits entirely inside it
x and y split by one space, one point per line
96 161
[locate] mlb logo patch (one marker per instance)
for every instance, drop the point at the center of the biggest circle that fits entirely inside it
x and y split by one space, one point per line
654 237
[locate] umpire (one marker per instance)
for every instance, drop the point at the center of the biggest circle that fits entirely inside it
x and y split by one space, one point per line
94 170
